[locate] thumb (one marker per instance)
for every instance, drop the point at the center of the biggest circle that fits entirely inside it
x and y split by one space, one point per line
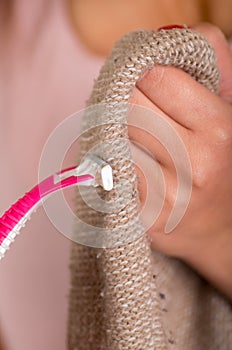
224 57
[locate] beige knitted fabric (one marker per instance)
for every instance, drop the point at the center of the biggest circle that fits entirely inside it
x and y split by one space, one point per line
123 297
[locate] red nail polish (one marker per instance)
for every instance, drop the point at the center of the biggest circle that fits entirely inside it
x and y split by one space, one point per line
173 26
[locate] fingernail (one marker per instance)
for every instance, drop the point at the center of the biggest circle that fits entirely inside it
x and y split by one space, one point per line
174 26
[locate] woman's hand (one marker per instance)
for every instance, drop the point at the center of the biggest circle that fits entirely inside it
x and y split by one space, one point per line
203 121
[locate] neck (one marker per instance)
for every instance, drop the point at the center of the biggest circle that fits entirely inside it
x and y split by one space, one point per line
100 23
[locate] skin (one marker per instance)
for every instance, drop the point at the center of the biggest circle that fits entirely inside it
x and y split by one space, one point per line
204 237
203 121
100 23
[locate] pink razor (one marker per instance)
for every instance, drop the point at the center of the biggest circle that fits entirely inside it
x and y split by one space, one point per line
92 172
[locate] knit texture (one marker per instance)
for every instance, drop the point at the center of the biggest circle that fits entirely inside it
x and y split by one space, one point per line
123 297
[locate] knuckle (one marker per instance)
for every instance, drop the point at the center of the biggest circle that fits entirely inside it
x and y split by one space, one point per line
203 169
223 136
200 177
212 158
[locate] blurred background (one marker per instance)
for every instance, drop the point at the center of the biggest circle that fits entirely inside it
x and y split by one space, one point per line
50 53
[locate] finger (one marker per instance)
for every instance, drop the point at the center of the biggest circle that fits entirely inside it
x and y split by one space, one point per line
224 56
154 131
157 189
178 95
140 99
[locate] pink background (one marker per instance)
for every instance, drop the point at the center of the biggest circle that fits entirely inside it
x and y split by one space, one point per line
45 75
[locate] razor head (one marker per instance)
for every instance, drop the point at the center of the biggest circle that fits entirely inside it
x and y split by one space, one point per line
99 169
